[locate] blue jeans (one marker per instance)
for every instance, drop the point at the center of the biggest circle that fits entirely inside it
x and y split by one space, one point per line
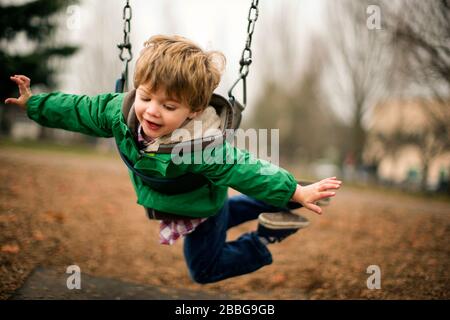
210 258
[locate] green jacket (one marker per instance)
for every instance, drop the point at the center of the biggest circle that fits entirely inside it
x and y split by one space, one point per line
101 116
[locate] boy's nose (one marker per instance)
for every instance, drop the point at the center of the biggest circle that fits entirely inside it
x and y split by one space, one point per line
153 109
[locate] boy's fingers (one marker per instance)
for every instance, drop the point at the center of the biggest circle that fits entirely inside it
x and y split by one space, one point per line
25 79
23 86
333 179
19 82
314 208
329 183
329 186
337 182
324 195
11 100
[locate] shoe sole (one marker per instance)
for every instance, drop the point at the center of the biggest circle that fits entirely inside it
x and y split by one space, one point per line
272 224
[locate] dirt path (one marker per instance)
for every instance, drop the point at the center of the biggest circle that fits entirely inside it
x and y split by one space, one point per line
58 209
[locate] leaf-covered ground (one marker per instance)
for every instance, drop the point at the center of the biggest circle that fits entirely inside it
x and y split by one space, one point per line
59 209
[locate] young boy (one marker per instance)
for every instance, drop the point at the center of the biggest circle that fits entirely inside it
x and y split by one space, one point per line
174 81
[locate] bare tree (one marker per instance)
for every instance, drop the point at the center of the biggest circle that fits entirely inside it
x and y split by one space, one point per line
420 34
97 66
308 128
421 31
360 64
277 50
99 62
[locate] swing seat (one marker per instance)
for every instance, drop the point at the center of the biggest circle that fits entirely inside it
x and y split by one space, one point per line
230 114
154 214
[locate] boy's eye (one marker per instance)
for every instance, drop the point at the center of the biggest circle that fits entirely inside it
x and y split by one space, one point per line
145 99
169 107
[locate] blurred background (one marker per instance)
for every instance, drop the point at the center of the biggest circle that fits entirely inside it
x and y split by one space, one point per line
358 89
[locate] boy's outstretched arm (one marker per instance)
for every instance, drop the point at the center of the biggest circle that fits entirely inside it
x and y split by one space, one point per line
79 113
310 194
226 165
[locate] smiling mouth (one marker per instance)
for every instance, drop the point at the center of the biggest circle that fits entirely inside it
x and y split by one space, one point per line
152 125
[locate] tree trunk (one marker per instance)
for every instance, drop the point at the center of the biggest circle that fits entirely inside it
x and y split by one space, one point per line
358 137
424 177
6 119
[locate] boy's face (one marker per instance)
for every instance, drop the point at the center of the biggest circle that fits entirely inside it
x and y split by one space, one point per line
159 114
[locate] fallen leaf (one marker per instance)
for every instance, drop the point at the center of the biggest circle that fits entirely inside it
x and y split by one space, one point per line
278 278
10 248
38 235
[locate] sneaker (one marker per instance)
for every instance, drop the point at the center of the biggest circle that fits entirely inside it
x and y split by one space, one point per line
276 226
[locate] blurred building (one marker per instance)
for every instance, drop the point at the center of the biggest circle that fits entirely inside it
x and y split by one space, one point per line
407 137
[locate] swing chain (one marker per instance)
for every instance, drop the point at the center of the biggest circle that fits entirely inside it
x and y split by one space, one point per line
246 57
126 34
122 82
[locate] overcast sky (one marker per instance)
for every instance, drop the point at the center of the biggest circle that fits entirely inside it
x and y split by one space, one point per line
214 24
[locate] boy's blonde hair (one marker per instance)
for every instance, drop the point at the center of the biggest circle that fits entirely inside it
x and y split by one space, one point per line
185 71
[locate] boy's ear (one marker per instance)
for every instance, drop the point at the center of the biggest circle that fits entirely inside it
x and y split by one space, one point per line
192 115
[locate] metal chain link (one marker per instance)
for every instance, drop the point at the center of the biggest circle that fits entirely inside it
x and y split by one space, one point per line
122 82
126 34
246 57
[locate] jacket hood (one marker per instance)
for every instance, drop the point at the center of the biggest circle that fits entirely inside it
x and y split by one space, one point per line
208 125
205 124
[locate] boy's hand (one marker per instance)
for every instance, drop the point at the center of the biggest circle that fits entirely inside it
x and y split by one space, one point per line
23 83
310 194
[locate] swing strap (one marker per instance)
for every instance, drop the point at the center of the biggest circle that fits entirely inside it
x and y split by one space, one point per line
181 184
